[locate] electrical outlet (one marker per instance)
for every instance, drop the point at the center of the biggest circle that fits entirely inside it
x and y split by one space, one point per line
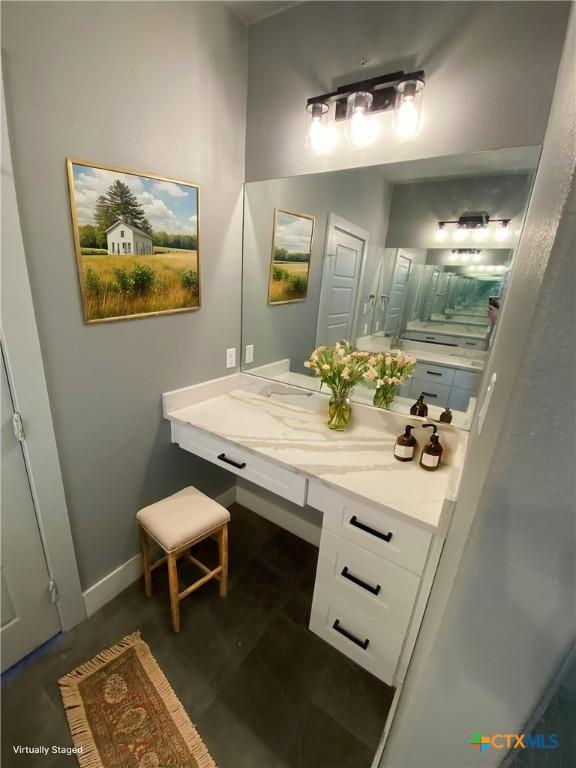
231 357
249 353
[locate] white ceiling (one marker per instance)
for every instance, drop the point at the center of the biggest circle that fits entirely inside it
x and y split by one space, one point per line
489 162
251 12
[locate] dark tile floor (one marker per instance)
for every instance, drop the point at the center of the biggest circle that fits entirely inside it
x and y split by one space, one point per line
263 691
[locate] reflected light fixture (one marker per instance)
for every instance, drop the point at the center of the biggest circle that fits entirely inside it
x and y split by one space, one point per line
357 103
464 255
475 224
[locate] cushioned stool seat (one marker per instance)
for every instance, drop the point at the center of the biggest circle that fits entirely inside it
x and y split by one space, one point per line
176 524
181 518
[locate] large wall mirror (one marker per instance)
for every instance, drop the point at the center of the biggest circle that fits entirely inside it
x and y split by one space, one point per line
408 257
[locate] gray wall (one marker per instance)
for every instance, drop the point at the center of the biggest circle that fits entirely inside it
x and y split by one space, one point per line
417 208
489 69
289 330
158 87
501 614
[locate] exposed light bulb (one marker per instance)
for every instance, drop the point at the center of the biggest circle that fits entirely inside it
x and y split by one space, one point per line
480 234
362 128
464 258
408 106
441 233
453 256
461 233
321 137
503 230
407 119
481 268
476 257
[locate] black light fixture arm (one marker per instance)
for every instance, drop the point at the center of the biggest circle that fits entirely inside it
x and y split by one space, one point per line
382 88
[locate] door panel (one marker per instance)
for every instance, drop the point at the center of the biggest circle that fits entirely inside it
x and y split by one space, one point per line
397 295
29 617
340 281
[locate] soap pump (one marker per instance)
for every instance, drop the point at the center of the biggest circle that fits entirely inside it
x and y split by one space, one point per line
419 408
405 445
432 452
446 416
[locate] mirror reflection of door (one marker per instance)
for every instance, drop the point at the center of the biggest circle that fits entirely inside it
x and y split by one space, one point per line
345 247
396 297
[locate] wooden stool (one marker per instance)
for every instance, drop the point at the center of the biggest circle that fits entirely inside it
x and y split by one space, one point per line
176 524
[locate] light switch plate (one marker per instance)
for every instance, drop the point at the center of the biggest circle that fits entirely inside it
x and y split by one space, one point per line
231 357
249 353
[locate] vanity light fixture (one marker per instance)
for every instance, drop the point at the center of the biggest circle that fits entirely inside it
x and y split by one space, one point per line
464 255
503 230
441 232
358 102
476 224
320 132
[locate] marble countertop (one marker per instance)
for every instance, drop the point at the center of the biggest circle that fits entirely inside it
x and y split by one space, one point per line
288 426
427 353
450 329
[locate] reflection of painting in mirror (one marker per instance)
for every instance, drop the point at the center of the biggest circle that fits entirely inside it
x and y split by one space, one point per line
291 248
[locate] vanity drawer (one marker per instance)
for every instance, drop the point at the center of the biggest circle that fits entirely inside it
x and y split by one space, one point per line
381 588
373 529
356 633
435 392
243 463
472 343
434 373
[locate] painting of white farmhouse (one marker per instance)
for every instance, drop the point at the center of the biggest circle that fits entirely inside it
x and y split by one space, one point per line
136 238
291 249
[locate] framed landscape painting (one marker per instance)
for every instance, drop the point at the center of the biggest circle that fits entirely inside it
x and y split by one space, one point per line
291 249
136 239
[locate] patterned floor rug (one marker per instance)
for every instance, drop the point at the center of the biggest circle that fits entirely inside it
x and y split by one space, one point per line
123 713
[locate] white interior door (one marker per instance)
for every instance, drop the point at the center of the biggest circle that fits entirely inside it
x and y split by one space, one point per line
28 615
341 275
397 295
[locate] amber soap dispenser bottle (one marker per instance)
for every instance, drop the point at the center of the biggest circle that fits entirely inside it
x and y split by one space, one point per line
405 445
432 452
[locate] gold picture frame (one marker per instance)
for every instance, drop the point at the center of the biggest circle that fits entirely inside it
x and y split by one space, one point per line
289 270
134 268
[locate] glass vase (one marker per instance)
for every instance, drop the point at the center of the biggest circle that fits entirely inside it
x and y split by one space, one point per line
339 411
384 396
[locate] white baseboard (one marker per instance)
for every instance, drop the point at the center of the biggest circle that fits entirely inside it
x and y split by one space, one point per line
117 580
304 522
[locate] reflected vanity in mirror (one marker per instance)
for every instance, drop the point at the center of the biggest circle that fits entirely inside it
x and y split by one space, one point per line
409 257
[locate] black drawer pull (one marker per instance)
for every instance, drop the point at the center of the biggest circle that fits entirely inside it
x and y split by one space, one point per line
363 527
368 587
470 343
236 464
431 338
429 394
349 636
434 373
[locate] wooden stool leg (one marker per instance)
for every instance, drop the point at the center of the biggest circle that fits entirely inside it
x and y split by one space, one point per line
174 596
223 550
145 547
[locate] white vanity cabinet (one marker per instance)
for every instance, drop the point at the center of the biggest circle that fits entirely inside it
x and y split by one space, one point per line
383 522
446 339
369 577
442 385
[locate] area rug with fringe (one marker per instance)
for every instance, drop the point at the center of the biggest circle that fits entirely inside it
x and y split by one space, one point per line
123 713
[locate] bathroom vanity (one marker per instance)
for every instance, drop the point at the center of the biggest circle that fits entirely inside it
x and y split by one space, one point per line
383 522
